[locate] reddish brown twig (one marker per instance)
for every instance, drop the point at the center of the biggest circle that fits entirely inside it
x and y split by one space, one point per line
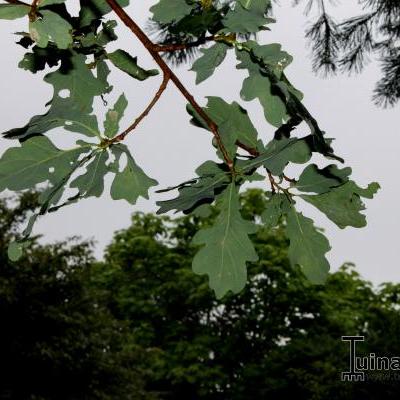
33 11
137 121
272 182
287 179
152 49
251 150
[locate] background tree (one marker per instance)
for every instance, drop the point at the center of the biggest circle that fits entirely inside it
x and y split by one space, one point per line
57 340
141 325
280 337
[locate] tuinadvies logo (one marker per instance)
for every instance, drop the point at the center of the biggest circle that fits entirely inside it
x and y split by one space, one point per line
371 362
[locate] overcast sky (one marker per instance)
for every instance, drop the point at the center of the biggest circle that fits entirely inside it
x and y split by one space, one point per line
169 149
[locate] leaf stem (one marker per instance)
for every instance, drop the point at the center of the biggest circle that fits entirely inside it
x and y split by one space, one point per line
137 121
272 182
287 179
251 150
33 11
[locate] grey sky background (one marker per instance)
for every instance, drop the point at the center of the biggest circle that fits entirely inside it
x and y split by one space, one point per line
169 149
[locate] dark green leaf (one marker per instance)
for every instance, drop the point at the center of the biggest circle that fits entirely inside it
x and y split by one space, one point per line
273 210
51 27
78 86
280 88
125 62
343 204
233 123
44 3
227 246
307 247
202 189
132 182
13 11
38 59
92 182
36 161
209 61
248 17
168 11
278 153
316 180
100 38
258 86
95 9
113 117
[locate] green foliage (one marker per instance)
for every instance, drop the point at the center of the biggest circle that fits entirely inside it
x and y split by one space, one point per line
247 16
272 214
343 204
94 10
132 182
114 116
211 179
233 123
314 179
13 11
279 153
227 246
92 182
58 339
258 86
125 62
212 57
168 11
140 325
307 246
279 337
71 105
37 160
77 48
51 27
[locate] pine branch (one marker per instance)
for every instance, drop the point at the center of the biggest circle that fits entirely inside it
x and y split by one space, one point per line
387 91
324 36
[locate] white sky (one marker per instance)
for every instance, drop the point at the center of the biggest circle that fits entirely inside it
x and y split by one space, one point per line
169 149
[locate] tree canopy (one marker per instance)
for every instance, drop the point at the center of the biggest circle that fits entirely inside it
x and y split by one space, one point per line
57 340
142 325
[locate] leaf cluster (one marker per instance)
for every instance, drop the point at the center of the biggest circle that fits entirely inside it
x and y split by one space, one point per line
56 39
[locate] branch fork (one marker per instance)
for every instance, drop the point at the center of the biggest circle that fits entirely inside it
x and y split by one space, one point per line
154 51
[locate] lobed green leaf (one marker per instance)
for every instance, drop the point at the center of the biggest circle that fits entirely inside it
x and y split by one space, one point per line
226 246
125 62
343 204
13 11
209 61
131 183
